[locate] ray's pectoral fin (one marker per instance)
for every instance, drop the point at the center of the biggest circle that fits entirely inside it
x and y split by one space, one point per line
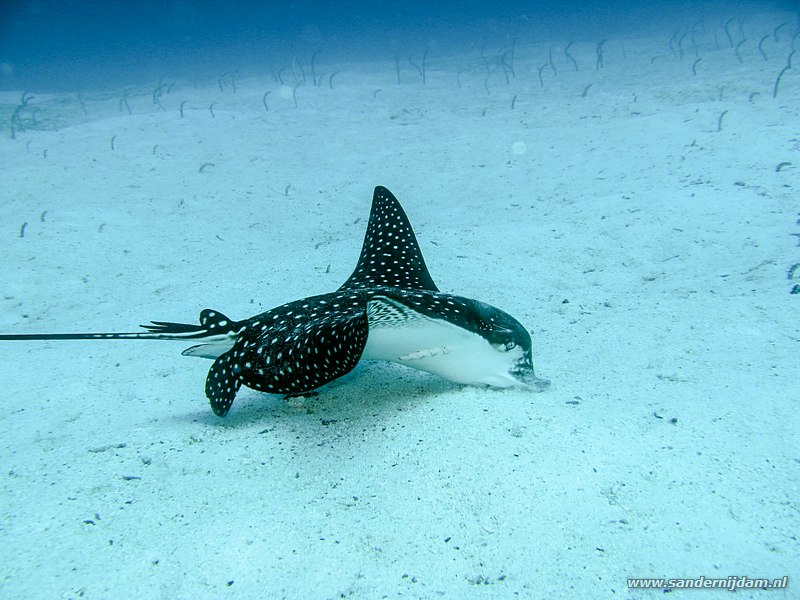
210 350
306 357
222 383
295 361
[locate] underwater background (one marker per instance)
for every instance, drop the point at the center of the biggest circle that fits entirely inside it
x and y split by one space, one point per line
620 177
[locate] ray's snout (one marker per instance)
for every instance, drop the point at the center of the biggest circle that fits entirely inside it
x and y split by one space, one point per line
528 378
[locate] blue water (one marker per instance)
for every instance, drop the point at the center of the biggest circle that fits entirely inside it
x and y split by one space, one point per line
51 45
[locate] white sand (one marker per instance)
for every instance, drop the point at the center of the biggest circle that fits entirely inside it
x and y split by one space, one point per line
646 251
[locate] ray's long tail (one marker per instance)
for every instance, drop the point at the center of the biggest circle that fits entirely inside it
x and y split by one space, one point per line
213 325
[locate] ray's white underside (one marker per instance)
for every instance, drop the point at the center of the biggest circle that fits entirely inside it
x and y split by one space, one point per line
435 345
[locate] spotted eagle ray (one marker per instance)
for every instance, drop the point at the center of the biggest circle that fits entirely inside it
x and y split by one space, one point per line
388 309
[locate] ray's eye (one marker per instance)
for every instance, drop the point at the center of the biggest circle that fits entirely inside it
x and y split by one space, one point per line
510 346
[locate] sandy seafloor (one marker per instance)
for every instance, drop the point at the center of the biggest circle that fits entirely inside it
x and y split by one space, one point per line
646 244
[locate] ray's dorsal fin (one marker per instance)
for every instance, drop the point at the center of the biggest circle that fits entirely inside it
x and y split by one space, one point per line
390 256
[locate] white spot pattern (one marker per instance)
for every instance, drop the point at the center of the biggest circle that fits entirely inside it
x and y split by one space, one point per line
390 256
315 340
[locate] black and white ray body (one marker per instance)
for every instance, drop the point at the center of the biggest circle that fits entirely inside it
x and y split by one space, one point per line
388 309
